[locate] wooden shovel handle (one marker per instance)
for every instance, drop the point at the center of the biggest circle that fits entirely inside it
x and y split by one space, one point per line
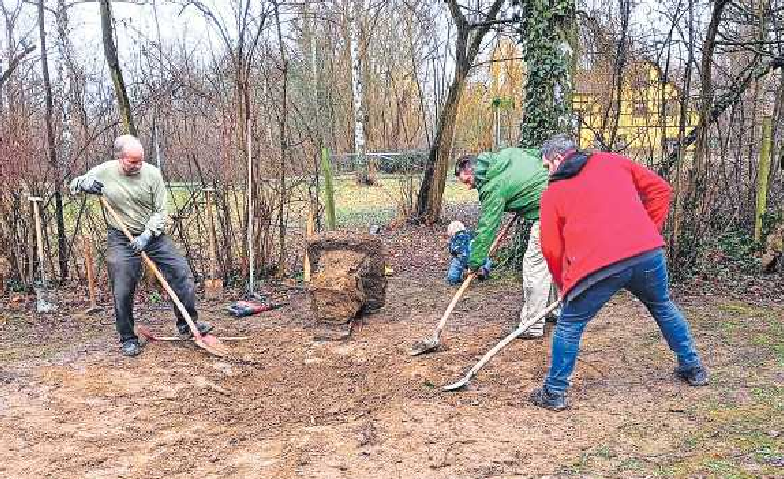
501 235
196 334
467 281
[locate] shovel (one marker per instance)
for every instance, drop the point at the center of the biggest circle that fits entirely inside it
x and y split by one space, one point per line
488 355
144 332
431 344
207 342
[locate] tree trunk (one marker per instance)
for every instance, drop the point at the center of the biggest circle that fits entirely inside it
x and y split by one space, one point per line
6 74
364 170
112 60
706 89
51 153
762 177
431 191
678 210
547 29
430 198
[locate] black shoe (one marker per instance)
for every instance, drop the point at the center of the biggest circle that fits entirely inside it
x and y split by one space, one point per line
185 330
547 399
131 347
696 376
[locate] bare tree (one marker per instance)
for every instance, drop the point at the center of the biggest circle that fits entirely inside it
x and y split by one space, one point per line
469 39
113 61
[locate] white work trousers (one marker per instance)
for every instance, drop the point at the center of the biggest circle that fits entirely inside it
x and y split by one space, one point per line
536 282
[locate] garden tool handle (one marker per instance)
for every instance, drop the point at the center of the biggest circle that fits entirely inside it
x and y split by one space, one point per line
471 276
501 235
151 265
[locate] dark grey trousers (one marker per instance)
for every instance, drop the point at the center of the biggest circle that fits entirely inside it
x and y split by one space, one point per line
125 270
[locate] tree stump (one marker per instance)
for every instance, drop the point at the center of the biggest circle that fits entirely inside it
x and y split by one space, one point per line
347 276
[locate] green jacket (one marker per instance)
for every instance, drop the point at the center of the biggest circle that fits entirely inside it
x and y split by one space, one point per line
511 180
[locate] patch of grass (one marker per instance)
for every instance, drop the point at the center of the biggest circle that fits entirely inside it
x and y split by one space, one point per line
772 337
743 309
726 469
360 204
631 464
735 442
774 396
604 452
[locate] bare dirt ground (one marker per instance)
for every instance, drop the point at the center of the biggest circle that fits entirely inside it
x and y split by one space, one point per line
284 405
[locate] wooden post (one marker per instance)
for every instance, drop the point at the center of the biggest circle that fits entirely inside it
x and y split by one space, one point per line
213 286
42 294
329 189
88 264
308 235
762 177
39 238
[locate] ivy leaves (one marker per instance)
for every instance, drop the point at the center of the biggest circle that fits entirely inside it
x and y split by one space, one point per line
548 88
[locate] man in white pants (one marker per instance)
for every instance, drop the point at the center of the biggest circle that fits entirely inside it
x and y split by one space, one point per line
511 180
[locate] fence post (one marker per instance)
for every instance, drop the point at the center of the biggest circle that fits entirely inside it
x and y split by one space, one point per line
762 178
329 189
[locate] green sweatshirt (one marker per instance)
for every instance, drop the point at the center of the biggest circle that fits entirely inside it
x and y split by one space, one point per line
510 180
140 200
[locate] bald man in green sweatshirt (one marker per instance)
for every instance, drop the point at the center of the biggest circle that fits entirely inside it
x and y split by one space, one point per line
137 193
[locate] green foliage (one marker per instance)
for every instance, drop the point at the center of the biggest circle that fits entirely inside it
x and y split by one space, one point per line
510 257
733 251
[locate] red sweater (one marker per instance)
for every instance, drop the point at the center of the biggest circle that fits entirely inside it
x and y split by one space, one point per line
611 210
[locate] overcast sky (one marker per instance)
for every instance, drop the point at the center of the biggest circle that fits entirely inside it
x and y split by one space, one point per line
189 27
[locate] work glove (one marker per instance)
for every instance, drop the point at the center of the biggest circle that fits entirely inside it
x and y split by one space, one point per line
141 242
484 271
91 186
156 223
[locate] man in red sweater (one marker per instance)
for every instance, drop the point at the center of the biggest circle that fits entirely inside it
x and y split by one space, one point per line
601 221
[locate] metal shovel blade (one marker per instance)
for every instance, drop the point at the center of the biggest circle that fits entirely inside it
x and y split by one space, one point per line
424 346
145 333
212 344
457 385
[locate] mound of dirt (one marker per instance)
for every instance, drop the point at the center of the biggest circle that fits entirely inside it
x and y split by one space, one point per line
348 275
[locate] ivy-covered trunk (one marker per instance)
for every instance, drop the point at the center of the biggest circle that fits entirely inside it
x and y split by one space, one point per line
548 35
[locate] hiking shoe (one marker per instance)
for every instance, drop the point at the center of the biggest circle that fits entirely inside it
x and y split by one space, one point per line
695 376
532 334
185 331
547 399
131 347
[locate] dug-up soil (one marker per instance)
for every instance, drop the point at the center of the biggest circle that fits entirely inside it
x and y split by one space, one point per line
284 405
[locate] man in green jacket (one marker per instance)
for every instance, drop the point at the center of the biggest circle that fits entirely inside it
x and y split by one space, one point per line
510 180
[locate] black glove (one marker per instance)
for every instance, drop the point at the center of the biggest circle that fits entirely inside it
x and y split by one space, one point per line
484 271
91 186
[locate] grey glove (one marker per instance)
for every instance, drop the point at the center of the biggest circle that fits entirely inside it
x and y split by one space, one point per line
141 242
89 185
156 223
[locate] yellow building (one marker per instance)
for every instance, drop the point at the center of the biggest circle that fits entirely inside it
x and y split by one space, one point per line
649 116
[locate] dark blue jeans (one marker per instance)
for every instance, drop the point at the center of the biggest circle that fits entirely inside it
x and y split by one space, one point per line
125 270
647 281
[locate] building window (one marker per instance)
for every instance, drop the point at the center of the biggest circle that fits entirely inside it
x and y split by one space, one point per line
671 107
640 108
621 143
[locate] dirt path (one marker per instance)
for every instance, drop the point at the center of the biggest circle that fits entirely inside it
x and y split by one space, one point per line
286 406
